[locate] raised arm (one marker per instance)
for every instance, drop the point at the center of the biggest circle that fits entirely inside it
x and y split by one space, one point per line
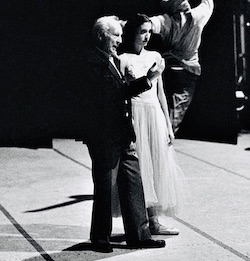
161 24
203 11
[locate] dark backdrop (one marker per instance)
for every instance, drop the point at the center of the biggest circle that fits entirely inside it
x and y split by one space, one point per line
40 56
212 114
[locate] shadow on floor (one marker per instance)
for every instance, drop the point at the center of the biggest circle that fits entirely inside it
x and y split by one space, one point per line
77 199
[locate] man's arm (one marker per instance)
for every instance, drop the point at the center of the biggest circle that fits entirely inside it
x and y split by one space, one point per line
161 24
142 84
138 86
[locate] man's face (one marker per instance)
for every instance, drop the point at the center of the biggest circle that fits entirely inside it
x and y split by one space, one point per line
113 38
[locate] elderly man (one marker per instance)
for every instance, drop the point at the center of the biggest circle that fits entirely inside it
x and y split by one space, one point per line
180 28
110 138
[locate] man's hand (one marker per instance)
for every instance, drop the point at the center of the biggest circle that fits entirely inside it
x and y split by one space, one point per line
156 70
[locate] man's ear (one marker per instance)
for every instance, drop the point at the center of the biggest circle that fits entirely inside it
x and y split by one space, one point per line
99 36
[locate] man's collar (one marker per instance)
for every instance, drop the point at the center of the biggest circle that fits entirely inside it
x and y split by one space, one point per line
112 65
103 52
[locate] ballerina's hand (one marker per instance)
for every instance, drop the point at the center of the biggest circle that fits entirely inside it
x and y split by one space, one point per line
172 138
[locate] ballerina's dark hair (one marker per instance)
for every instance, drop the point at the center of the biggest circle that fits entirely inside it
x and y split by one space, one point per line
130 29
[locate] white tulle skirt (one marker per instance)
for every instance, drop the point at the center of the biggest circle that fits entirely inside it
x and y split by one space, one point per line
161 175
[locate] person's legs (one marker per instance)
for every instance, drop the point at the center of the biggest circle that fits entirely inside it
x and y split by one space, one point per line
182 96
102 172
180 87
133 204
132 197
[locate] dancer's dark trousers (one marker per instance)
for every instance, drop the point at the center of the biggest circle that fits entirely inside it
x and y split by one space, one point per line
180 87
117 165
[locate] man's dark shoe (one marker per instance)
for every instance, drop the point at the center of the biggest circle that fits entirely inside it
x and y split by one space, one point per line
102 246
150 243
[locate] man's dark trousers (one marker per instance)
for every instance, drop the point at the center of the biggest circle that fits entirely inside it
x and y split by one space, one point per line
110 165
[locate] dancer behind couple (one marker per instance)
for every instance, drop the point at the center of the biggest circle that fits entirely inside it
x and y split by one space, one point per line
161 175
180 28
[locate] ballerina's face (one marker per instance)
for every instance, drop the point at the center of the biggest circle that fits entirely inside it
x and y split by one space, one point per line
143 34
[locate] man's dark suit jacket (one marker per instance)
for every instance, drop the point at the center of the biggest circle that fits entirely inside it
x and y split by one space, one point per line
107 104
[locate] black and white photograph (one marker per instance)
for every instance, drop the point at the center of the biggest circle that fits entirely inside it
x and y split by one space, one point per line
125 130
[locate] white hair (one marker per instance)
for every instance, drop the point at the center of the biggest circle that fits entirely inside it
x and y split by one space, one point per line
102 25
